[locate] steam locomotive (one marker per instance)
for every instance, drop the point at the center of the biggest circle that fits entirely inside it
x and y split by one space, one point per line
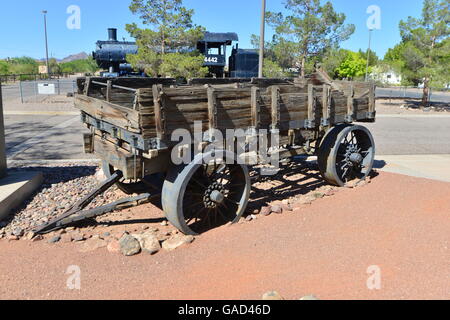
243 63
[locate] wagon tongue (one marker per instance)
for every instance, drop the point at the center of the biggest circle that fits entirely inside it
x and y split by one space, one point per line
75 214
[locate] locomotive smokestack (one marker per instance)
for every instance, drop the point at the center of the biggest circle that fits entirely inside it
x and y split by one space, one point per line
112 33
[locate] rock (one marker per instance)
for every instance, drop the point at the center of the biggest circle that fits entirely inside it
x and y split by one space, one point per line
276 209
100 176
149 243
306 200
352 184
176 242
29 236
92 245
113 246
361 183
129 246
272 296
318 195
18 232
266 211
78 237
309 298
164 223
66 238
249 218
55 239
37 238
286 208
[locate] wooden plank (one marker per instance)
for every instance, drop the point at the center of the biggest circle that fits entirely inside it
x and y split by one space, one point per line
351 112
276 107
159 112
136 83
125 118
326 105
372 98
312 103
87 86
88 139
212 108
256 107
108 90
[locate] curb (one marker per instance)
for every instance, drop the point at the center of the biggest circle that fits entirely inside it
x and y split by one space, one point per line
16 188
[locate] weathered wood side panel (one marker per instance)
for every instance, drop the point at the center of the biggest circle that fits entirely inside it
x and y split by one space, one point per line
118 157
125 118
225 105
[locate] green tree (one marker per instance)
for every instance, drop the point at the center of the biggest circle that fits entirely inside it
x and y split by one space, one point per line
23 65
332 59
54 66
273 70
79 66
310 29
353 66
427 39
373 58
4 68
279 56
165 48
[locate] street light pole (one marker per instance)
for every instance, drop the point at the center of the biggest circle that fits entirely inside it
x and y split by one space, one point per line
46 42
262 39
368 54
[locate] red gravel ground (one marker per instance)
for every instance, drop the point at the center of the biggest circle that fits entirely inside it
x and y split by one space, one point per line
398 223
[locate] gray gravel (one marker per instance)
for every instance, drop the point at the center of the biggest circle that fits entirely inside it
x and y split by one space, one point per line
64 185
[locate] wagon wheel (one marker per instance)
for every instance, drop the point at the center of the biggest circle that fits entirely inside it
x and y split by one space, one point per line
207 193
345 154
150 183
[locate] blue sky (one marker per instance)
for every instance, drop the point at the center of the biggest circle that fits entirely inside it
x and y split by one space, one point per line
21 22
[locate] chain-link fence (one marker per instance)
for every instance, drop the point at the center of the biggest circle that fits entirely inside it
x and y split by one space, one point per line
435 95
37 91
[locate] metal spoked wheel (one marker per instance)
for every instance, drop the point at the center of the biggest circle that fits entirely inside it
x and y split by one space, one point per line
347 153
206 194
152 183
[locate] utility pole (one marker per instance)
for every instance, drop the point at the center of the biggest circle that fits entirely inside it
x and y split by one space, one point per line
368 55
262 39
46 42
2 139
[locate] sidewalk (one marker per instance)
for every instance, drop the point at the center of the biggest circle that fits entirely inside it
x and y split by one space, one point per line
435 167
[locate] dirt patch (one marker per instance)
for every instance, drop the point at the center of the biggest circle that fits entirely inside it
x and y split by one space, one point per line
397 223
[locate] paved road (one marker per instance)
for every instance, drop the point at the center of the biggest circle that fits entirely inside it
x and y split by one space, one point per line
44 137
411 135
53 137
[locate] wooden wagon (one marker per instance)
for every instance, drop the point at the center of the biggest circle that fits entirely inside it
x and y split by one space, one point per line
133 120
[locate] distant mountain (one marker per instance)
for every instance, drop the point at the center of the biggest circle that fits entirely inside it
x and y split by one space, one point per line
73 57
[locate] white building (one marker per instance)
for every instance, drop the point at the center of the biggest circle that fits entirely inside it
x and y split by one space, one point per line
389 77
